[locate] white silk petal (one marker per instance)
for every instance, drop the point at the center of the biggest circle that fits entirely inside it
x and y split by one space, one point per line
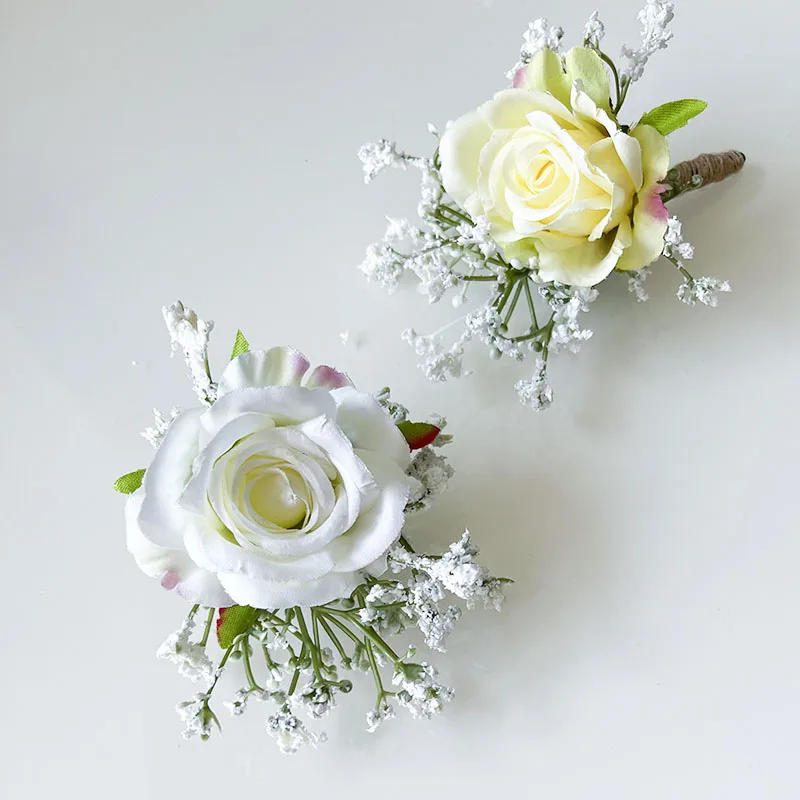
379 526
278 366
208 548
286 405
368 427
176 571
459 150
278 595
161 518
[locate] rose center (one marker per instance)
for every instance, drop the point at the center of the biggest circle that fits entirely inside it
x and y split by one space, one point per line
273 497
544 176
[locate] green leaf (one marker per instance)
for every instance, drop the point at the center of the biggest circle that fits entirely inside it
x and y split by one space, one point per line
129 483
671 116
232 622
241 345
418 434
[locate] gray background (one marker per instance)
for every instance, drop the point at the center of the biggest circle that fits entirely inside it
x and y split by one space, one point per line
159 149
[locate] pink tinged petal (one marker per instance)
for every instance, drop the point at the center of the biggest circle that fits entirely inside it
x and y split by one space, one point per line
654 205
520 78
172 567
327 378
170 579
278 366
161 518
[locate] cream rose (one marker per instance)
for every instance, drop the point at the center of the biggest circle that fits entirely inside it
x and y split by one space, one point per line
556 176
279 494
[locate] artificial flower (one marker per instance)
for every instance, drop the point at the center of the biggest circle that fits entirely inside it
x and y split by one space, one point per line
281 493
556 175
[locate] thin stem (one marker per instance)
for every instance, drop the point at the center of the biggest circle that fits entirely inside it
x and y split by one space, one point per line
279 623
207 629
268 658
344 629
514 301
368 632
293 684
248 669
478 277
222 663
405 544
613 67
332 636
503 299
376 674
531 307
312 645
455 212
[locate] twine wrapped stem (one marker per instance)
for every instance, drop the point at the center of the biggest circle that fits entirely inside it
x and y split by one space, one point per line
701 171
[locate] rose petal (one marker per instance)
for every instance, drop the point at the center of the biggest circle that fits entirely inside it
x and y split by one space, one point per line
161 518
327 378
279 366
367 425
278 595
379 526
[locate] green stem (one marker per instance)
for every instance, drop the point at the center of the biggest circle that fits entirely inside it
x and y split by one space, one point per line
456 213
531 306
332 636
248 669
293 684
309 643
368 632
268 658
503 299
222 663
619 96
207 629
376 674
485 278
343 628
514 301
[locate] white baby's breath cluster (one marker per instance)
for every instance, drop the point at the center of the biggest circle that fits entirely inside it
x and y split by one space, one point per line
190 334
158 431
703 290
188 656
304 652
594 31
450 253
655 17
539 35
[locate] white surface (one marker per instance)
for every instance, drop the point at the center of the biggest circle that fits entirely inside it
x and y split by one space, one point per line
159 149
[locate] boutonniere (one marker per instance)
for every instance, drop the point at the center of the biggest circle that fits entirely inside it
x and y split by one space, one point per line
277 510
536 197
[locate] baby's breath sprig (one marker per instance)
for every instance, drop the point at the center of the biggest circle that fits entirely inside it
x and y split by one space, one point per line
297 658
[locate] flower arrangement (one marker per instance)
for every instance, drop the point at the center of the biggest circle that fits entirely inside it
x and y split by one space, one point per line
541 194
277 510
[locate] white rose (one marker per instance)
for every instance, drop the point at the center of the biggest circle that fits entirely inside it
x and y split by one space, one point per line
280 494
558 178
